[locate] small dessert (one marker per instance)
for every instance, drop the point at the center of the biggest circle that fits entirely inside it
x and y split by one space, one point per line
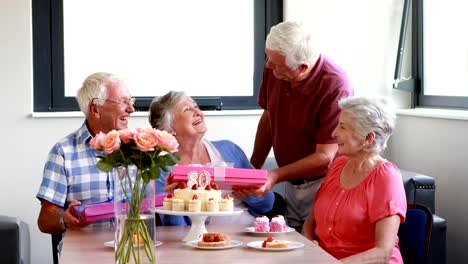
270 242
262 224
214 239
178 205
167 202
278 224
203 194
212 205
227 203
194 204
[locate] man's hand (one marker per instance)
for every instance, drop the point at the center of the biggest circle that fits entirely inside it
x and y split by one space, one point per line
70 219
50 214
265 188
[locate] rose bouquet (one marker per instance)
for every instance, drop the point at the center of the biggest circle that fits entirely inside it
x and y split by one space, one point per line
138 154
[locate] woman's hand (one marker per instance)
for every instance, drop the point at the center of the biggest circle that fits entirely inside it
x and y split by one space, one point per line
309 227
170 185
240 194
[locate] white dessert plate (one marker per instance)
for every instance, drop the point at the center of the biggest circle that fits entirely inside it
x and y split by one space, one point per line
258 245
232 243
251 229
111 243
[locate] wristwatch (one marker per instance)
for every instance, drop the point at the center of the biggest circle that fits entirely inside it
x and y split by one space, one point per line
62 223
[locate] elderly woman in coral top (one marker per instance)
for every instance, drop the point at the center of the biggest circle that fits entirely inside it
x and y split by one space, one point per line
361 203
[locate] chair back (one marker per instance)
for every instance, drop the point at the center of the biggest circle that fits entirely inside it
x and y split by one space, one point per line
415 234
15 243
56 238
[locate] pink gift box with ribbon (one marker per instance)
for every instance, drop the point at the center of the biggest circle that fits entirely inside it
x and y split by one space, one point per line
225 178
105 210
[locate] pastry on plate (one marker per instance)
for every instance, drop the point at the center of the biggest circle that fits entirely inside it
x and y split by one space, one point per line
278 224
167 202
194 204
227 203
262 224
214 239
270 242
212 205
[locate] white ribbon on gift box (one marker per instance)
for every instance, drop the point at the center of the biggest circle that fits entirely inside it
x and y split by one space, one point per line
219 174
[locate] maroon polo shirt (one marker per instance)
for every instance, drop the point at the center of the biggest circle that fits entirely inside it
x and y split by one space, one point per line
306 116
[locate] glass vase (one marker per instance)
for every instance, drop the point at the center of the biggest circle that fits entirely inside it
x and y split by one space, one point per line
134 217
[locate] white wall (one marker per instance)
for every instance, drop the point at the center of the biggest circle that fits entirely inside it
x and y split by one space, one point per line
438 147
363 41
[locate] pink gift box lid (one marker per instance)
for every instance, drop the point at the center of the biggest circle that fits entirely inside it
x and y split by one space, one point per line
237 173
94 212
234 178
241 181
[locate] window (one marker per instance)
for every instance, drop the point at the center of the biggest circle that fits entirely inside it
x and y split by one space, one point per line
444 57
439 54
155 46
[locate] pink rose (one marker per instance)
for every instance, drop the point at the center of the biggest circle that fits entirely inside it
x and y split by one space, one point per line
96 141
145 139
126 135
111 141
167 141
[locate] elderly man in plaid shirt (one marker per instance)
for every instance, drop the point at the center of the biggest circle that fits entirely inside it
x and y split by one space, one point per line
70 175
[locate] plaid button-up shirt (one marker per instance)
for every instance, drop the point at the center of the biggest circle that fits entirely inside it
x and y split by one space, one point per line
70 172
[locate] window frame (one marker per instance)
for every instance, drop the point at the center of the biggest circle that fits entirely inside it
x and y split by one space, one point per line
48 62
422 100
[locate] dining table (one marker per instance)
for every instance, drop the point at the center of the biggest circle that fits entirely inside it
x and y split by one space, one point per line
93 245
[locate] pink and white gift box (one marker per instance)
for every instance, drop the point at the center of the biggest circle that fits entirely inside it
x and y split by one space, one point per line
105 210
225 178
94 212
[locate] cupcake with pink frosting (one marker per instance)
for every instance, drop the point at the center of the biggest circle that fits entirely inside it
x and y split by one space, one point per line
262 224
278 224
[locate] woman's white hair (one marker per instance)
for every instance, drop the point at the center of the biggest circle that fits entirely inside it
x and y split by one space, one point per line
292 40
371 115
95 86
161 110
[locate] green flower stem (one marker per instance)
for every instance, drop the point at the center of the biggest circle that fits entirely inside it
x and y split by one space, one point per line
133 224
127 248
144 233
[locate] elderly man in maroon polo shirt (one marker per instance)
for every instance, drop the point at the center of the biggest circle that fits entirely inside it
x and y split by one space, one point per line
299 94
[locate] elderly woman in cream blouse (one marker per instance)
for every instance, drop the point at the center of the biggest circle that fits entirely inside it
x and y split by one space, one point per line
179 114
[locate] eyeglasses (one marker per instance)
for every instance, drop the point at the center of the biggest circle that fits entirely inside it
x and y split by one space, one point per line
129 102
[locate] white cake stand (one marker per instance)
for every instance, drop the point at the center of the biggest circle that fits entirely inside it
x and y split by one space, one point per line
198 220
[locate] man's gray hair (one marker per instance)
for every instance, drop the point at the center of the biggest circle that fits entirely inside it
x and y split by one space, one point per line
161 110
95 86
292 40
371 115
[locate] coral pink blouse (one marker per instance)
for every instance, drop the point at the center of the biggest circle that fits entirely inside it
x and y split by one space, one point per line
345 218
